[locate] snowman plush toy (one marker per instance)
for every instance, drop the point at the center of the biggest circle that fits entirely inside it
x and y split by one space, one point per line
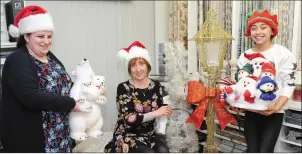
256 87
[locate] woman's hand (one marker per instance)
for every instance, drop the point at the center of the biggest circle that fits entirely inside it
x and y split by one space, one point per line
82 106
76 107
164 110
275 108
270 110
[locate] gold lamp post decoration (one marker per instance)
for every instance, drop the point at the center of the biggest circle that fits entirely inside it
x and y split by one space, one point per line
211 42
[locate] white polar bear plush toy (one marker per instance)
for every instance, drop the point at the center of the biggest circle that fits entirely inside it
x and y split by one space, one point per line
82 74
84 124
99 81
88 122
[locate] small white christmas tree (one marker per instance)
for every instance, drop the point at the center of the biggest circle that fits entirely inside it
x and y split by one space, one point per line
181 136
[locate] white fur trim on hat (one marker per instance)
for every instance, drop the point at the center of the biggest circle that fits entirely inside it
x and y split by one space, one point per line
136 52
34 23
122 55
13 31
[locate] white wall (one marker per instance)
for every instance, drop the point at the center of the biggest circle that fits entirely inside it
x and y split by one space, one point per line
97 30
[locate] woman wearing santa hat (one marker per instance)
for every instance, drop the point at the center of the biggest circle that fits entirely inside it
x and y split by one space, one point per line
139 101
262 128
36 89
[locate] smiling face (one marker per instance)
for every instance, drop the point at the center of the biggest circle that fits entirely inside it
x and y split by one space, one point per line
39 42
138 69
261 33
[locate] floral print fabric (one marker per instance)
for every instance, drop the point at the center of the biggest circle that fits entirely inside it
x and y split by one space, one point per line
54 79
130 130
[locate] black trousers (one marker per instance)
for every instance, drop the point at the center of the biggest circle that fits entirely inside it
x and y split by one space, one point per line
261 132
159 147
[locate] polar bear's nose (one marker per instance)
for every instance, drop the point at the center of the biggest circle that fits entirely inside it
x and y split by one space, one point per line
85 59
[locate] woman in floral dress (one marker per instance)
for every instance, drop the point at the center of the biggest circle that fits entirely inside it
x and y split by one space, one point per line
55 124
139 102
36 102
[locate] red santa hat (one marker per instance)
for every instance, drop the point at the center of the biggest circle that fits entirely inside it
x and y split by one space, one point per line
135 50
31 19
262 16
253 56
268 67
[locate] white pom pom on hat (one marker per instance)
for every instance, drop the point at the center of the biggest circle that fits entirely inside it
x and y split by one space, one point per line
31 19
13 31
135 50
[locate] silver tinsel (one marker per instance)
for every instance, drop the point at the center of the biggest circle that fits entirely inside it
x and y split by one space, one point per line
181 136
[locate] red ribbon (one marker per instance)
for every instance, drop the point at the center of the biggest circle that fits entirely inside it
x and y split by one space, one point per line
199 94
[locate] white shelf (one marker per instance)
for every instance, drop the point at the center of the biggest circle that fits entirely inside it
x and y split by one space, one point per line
8 44
290 142
296 106
291 125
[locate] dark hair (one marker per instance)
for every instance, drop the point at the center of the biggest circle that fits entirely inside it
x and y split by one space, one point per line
21 41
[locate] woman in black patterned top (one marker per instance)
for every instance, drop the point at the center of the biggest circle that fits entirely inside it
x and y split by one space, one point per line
139 102
35 88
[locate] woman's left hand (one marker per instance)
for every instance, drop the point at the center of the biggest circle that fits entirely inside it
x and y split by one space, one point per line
270 110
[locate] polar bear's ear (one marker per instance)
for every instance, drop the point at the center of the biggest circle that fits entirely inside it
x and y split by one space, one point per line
73 73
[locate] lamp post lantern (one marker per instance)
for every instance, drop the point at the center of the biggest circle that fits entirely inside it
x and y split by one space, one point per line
211 41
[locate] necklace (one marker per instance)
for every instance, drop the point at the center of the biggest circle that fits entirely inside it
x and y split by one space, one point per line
143 92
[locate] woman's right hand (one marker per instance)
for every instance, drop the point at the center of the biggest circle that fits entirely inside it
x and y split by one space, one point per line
164 110
76 107
82 106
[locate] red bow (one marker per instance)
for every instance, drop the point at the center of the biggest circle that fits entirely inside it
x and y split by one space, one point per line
199 94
